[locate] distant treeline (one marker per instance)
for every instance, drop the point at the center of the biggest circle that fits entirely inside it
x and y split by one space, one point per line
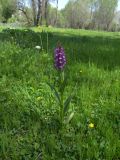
87 14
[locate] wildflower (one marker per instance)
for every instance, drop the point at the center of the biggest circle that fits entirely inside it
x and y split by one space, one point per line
59 57
39 98
91 125
38 47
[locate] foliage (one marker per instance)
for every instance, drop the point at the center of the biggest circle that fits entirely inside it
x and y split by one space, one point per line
8 7
90 14
52 17
29 120
105 13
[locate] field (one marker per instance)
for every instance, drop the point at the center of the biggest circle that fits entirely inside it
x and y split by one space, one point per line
30 128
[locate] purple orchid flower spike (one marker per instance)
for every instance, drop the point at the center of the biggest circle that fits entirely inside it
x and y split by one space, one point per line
59 58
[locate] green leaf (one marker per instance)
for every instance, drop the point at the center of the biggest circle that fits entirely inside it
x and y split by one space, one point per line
68 100
66 104
70 117
55 92
63 85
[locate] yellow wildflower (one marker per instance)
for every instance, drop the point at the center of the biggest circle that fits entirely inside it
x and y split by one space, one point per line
91 125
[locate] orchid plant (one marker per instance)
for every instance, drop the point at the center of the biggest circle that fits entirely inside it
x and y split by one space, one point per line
59 63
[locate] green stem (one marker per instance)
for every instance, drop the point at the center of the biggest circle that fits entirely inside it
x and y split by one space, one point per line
47 42
61 110
61 96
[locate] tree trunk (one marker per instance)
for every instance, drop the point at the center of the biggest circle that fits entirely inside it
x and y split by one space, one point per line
39 13
34 12
56 14
46 12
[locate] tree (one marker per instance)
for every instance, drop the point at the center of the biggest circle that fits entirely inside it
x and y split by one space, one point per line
7 7
25 10
52 17
77 13
68 13
105 13
56 12
37 13
97 14
46 12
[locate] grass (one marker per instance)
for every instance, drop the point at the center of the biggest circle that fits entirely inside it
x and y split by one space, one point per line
29 126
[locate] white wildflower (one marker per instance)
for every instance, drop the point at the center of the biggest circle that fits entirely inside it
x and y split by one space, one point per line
38 47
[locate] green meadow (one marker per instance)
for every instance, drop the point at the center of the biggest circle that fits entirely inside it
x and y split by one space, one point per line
29 120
